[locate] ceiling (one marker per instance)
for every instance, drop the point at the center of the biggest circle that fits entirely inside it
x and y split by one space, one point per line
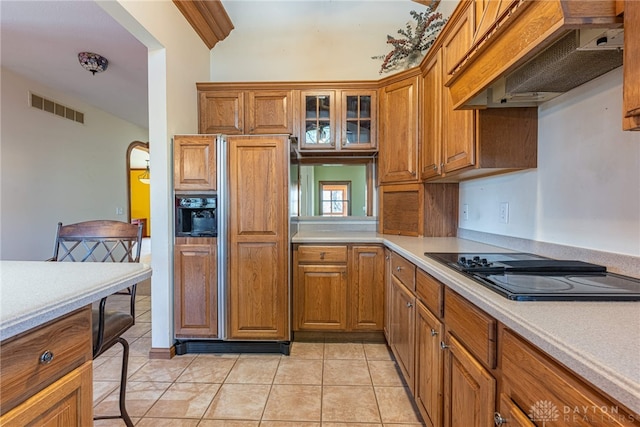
41 39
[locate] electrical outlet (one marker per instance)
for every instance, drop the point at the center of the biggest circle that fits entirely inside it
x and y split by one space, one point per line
465 212
504 212
119 211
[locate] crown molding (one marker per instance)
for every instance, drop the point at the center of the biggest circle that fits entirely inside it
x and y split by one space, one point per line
208 18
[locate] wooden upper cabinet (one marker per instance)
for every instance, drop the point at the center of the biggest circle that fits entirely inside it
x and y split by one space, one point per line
338 120
458 130
358 120
398 151
631 66
221 112
458 40
194 162
318 115
431 117
269 112
236 112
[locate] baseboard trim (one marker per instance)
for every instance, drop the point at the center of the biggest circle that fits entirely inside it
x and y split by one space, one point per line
162 353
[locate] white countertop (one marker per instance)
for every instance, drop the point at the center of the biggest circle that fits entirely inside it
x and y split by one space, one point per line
35 292
599 341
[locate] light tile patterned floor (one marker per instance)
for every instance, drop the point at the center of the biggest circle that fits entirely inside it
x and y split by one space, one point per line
318 385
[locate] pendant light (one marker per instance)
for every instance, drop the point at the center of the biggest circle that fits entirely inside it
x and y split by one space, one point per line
145 177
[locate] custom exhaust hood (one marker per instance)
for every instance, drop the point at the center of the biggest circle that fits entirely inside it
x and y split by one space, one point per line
533 51
576 58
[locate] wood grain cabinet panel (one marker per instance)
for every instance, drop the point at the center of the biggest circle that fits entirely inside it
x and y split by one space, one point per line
338 288
366 288
321 297
402 341
195 288
473 327
194 162
269 112
429 366
66 403
530 377
57 392
67 339
469 388
221 112
258 300
398 148
631 66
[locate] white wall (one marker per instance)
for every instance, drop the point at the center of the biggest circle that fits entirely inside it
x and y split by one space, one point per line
54 169
586 189
310 50
178 59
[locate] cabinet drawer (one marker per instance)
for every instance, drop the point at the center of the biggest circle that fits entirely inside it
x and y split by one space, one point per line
68 339
430 292
530 377
313 253
473 327
404 271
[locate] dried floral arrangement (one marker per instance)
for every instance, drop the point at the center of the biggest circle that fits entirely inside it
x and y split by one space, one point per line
408 51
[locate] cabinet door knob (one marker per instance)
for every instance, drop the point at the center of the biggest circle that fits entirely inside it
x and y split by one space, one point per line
498 419
46 357
443 345
398 268
409 305
435 167
322 254
433 332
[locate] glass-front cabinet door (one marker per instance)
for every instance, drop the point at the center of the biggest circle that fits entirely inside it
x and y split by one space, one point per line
358 120
319 128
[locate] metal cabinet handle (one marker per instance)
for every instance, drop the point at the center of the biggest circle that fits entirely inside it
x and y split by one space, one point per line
435 167
498 419
46 357
322 254
443 345
387 257
409 305
433 332
398 268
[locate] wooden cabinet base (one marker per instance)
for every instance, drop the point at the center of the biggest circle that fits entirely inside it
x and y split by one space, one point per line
68 402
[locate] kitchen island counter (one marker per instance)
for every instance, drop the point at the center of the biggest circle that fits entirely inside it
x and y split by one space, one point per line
599 341
33 293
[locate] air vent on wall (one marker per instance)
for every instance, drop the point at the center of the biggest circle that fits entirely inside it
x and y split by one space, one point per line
53 107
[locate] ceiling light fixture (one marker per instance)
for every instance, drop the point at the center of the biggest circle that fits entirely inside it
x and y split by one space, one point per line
145 177
93 62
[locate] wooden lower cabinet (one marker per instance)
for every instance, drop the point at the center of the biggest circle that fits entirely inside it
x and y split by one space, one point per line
67 402
338 288
321 297
387 294
57 393
429 366
195 288
469 388
538 388
403 329
366 290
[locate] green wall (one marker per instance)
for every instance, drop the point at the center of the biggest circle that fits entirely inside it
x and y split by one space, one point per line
357 174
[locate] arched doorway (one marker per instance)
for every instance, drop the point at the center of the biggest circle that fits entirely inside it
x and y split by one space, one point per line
138 194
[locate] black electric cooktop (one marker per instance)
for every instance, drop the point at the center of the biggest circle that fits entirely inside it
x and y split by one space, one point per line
528 277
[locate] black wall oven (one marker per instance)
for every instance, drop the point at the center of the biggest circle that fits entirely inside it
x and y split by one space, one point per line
196 215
